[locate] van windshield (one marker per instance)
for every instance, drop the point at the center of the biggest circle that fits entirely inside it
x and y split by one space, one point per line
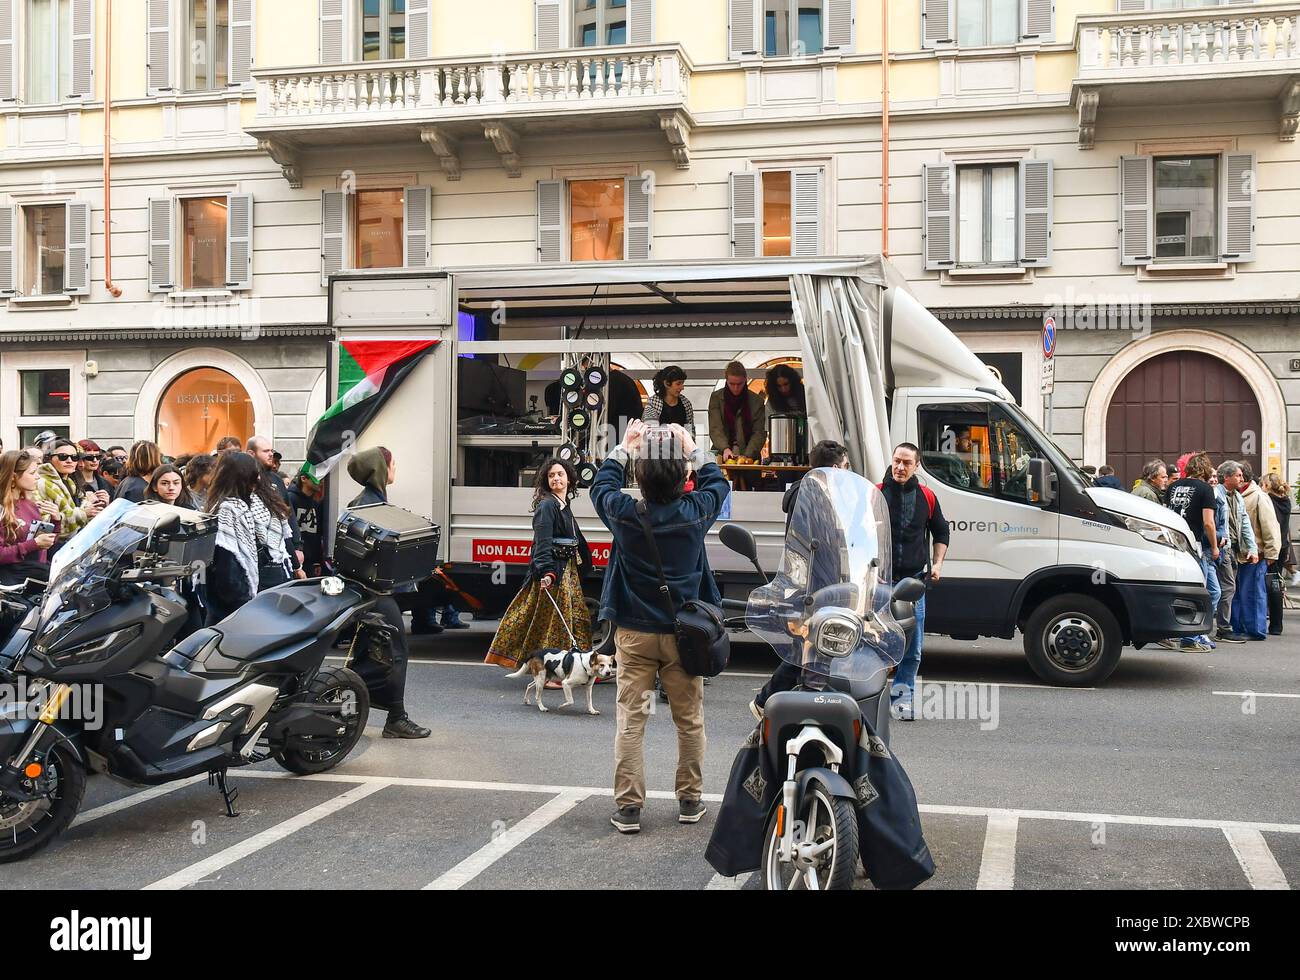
1049 449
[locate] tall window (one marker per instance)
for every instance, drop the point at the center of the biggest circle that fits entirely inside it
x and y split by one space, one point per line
208 57
199 408
1187 213
203 253
49 51
792 27
596 220
377 229
776 212
599 23
987 22
383 30
986 215
45 237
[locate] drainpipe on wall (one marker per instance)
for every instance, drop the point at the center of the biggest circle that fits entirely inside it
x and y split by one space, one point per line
884 129
113 290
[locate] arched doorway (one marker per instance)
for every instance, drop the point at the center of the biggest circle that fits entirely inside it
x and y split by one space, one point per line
199 408
1179 401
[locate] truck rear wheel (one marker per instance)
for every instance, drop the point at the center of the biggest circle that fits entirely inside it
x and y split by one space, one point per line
1073 641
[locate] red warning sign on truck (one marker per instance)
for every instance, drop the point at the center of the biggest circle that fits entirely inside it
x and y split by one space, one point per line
519 551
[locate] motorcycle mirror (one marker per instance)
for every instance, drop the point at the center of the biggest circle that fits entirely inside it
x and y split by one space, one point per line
909 590
741 540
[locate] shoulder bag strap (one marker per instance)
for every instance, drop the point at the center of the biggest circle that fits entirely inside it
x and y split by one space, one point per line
665 594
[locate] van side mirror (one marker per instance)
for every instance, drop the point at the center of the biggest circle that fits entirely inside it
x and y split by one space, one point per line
1042 482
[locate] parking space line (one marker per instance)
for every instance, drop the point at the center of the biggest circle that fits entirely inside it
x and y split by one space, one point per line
998 864
1103 818
492 852
721 883
1256 860
133 799
237 852
1252 694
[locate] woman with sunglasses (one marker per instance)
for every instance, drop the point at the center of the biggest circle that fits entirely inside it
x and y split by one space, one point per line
88 468
23 553
57 483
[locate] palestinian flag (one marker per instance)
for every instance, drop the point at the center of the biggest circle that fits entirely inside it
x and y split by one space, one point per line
369 372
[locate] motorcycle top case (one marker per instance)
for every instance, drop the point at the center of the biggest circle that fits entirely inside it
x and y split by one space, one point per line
181 535
386 547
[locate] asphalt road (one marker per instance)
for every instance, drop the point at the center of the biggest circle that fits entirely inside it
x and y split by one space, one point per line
1169 776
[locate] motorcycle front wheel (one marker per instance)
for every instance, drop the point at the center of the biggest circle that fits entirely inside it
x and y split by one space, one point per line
826 846
27 827
316 753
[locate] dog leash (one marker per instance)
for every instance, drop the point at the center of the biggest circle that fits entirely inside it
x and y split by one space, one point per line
572 640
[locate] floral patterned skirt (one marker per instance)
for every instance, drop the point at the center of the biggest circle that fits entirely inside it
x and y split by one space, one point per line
531 624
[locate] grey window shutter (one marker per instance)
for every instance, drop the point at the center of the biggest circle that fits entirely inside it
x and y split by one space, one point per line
333 223
746 200
160 244
640 21
1238 196
938 22
638 207
546 19
1038 20
1132 6
742 35
160 46
331 32
1035 231
241 41
76 270
239 241
550 221
940 232
806 212
8 49
839 25
416 205
83 48
1136 211
8 245
417 28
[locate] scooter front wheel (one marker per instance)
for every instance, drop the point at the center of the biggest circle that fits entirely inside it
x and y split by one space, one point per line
30 825
825 846
315 753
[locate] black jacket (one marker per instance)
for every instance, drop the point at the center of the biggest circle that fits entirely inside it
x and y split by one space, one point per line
911 547
133 488
310 517
551 521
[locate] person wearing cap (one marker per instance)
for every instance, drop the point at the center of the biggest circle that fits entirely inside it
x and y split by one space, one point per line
307 498
88 468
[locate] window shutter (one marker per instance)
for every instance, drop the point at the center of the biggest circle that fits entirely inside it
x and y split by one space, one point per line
806 212
743 36
1132 6
83 48
638 205
550 220
76 270
160 46
417 28
239 241
331 32
940 215
746 200
160 244
1136 211
546 19
1035 213
8 245
640 21
938 22
333 222
1038 20
8 49
416 205
839 25
241 42
1238 196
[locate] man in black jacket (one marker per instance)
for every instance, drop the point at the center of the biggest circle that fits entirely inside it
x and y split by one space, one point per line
914 519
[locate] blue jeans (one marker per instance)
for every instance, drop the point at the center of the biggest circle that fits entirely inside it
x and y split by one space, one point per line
905 676
1209 568
1250 604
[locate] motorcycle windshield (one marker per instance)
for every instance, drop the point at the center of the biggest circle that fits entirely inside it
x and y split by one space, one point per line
827 610
91 558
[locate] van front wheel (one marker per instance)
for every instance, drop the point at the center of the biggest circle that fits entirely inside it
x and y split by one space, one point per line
1073 641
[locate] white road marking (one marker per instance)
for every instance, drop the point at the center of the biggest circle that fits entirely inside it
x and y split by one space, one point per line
998 865
134 799
237 852
492 852
1253 694
721 883
980 811
1256 860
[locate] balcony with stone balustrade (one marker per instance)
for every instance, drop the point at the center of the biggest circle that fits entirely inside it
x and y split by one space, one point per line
1248 53
445 102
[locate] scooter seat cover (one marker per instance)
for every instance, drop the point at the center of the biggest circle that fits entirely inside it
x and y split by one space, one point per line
277 617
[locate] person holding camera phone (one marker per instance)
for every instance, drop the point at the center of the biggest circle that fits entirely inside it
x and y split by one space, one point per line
57 483
28 525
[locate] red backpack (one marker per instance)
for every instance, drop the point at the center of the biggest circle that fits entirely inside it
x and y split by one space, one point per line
929 497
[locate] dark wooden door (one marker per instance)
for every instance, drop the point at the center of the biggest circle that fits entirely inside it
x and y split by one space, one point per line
1181 402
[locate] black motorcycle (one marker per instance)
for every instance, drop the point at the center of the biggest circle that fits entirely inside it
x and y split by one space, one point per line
113 686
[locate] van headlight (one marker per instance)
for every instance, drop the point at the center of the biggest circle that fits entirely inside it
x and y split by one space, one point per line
1160 534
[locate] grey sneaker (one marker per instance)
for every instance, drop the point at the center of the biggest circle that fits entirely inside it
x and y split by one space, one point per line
690 811
1170 644
627 819
1225 636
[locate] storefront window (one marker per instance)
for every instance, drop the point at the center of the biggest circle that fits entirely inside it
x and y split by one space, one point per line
596 220
45 392
200 408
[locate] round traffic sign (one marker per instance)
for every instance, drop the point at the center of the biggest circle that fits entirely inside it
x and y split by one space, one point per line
1049 336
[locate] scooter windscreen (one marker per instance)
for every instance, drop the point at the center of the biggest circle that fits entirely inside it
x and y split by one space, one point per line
88 560
827 610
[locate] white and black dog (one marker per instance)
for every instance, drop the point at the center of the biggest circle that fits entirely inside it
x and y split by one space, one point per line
572 668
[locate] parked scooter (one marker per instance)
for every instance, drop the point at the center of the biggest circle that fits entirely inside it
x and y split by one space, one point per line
831 613
111 690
